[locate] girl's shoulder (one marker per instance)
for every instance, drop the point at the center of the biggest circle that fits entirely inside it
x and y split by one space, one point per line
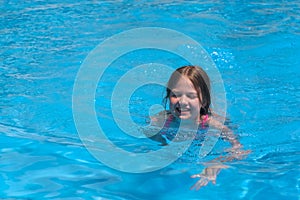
160 118
217 121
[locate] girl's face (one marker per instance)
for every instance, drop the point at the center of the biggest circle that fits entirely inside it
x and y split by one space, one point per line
184 101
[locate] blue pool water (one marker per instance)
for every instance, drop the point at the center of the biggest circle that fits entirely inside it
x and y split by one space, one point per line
256 47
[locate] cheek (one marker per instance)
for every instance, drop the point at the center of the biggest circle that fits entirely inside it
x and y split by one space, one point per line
196 104
173 100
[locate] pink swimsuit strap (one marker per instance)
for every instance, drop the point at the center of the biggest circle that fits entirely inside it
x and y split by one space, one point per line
167 124
204 121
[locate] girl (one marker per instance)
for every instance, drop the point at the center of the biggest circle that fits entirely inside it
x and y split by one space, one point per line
188 94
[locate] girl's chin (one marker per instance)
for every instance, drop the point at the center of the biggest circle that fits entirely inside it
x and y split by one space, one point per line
183 116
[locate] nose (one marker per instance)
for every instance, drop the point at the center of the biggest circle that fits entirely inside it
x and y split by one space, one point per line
183 100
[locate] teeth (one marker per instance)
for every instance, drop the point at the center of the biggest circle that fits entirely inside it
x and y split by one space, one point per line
182 110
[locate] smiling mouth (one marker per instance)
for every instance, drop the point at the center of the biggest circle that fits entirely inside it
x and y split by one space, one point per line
179 110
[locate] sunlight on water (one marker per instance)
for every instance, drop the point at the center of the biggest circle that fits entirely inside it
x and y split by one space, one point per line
254 45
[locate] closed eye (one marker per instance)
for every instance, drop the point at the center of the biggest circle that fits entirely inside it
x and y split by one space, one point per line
192 96
173 94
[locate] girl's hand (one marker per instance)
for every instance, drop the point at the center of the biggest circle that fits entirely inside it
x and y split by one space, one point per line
209 174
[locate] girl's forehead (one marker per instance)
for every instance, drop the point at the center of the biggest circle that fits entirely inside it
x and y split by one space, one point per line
182 83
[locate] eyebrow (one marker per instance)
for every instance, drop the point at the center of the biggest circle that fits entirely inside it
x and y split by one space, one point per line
174 91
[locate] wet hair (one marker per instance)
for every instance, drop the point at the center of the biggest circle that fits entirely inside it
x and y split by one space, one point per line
200 81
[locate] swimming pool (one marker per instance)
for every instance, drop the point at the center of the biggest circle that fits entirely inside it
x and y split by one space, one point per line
254 45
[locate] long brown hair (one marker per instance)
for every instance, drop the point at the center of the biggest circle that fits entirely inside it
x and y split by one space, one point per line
200 81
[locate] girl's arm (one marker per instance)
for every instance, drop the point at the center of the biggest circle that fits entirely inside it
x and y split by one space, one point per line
209 174
226 133
158 121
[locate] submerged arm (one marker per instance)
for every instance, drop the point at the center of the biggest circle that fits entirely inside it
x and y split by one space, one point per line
209 174
157 122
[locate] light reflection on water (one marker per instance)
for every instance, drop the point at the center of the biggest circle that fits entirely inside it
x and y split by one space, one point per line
255 47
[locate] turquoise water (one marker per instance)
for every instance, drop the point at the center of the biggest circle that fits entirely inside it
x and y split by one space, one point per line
43 44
